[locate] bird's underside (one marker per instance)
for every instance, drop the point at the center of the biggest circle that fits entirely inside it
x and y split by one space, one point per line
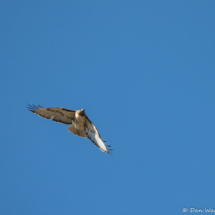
79 123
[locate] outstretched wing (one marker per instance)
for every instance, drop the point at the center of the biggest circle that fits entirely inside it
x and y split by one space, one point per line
56 114
93 134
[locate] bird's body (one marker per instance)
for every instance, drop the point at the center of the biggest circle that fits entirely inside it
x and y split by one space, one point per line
80 118
79 123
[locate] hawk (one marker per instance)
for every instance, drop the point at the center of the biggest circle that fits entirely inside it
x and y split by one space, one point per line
79 123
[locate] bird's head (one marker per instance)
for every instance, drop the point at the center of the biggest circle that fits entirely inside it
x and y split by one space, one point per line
82 112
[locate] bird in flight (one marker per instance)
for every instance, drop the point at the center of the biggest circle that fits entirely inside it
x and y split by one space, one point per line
79 123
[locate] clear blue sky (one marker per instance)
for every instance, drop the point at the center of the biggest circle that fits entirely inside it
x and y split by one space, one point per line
144 71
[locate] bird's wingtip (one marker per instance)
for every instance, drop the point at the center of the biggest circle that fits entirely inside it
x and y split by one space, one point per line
31 107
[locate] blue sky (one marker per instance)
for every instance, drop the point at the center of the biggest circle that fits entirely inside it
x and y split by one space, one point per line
144 73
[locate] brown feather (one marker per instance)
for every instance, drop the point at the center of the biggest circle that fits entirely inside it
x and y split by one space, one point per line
79 133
